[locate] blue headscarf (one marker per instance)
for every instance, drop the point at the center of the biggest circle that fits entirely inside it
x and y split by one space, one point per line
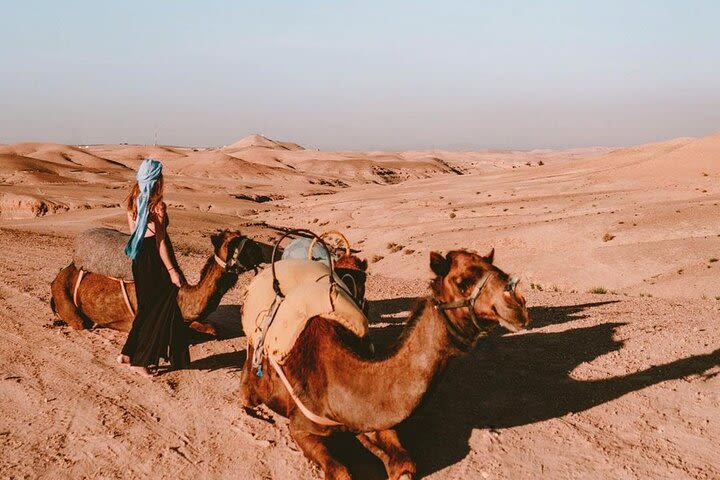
147 175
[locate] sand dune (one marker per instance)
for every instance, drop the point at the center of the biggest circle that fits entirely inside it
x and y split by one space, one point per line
258 141
628 211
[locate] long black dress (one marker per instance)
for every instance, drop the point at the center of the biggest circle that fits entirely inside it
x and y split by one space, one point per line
158 330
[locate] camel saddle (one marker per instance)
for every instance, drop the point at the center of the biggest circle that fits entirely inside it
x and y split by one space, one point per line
102 251
307 293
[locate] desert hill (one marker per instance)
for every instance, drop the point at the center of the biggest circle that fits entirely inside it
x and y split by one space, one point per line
617 249
259 141
635 216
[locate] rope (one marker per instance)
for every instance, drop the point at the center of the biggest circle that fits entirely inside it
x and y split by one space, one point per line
77 286
306 411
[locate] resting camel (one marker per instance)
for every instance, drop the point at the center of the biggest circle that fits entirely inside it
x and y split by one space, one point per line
343 390
100 300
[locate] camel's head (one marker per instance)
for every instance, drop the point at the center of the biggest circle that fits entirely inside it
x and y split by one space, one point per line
353 272
475 296
236 251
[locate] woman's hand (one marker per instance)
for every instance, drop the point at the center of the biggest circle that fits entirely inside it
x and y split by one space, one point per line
175 277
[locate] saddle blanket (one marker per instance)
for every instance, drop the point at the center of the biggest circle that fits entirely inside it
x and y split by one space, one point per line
102 251
307 290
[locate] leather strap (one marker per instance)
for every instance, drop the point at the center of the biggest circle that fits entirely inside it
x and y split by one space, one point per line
126 298
306 411
77 286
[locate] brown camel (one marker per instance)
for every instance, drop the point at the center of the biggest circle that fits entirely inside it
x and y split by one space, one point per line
100 300
343 390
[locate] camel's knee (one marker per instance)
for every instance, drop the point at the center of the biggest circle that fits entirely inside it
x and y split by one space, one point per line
315 449
386 446
247 393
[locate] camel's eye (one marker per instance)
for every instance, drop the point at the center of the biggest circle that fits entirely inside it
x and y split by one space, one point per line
463 283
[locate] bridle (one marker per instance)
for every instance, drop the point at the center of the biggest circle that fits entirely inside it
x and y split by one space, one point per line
481 324
233 263
352 284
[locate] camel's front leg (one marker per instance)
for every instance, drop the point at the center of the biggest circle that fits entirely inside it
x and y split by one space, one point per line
386 445
62 302
315 448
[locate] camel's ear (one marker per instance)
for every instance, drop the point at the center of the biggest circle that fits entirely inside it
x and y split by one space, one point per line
490 256
439 264
216 240
363 265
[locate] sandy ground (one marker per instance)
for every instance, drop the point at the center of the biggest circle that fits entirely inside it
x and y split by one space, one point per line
622 385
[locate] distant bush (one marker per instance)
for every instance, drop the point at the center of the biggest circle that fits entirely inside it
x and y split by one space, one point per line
607 237
598 290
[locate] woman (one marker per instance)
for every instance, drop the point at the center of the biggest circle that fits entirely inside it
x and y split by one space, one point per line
158 330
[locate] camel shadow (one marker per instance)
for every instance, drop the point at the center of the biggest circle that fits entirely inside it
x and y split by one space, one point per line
225 319
520 380
510 381
230 361
544 316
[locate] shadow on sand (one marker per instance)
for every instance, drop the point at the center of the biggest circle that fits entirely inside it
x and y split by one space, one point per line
506 381
226 320
509 381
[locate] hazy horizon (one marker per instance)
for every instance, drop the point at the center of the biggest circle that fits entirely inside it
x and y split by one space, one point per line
366 76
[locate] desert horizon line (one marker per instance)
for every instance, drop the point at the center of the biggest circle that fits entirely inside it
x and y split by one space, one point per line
379 149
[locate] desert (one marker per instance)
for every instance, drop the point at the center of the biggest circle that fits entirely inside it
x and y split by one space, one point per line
616 249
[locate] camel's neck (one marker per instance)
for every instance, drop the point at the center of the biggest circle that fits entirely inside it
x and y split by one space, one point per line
374 395
195 299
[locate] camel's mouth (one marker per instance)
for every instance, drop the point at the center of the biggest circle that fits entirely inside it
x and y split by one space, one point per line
510 326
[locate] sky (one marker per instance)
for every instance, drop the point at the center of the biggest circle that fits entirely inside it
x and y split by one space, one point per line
360 75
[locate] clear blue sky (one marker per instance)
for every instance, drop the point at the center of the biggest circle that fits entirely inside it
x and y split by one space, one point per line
360 74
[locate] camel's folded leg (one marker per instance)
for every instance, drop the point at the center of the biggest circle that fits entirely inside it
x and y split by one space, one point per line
314 448
203 328
385 445
62 300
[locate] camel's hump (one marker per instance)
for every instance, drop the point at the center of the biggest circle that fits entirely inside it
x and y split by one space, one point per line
102 251
307 291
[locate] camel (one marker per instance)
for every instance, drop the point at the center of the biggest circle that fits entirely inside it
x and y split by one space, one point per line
100 300
327 378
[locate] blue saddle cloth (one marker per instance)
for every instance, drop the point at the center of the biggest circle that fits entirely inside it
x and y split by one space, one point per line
299 248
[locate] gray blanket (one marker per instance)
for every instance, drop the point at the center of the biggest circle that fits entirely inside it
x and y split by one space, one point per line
102 250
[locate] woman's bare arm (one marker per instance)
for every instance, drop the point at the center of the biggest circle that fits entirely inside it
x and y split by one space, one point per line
163 243
161 237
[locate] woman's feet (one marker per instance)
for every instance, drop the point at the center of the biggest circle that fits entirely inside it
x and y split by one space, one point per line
142 371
